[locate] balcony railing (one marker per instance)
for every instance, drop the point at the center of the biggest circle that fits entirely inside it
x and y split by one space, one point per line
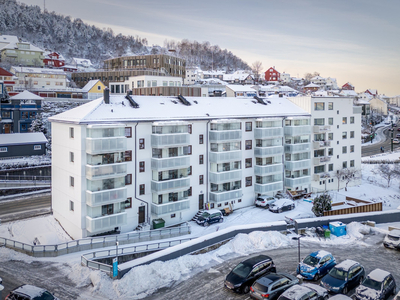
297 165
179 162
295 182
168 208
228 176
321 144
323 128
227 156
106 171
268 169
226 135
321 176
105 145
263 133
267 151
357 109
297 130
296 148
174 185
105 223
163 140
225 196
321 160
268 187
105 197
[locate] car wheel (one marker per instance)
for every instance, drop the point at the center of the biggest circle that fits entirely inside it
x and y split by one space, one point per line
293 206
280 210
206 224
344 291
317 277
221 220
394 291
246 289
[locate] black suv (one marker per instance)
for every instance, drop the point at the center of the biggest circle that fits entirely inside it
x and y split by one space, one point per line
242 277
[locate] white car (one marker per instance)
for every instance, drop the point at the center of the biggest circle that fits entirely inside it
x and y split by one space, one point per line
392 239
295 215
396 141
264 201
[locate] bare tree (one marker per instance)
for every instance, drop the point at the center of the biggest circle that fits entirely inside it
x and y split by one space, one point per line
387 172
339 176
256 68
349 175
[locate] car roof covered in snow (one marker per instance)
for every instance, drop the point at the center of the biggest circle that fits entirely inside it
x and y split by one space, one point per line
395 232
30 290
346 264
378 275
320 253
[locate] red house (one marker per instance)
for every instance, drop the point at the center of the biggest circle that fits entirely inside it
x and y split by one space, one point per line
9 81
348 87
372 92
272 75
54 60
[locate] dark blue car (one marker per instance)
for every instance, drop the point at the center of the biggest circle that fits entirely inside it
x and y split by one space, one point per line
343 277
316 265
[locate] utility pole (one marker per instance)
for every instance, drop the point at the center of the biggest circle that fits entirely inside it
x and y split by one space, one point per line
391 140
44 5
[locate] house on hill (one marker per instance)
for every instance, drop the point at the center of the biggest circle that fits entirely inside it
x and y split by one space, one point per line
372 92
93 89
53 60
272 75
20 53
348 86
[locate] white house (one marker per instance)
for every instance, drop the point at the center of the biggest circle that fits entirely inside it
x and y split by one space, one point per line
318 80
117 163
40 78
82 64
143 81
285 78
239 90
193 75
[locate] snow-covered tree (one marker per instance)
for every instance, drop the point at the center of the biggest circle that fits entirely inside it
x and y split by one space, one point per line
322 203
387 172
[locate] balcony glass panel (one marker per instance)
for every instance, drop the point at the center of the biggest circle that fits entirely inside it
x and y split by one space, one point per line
297 165
297 130
106 223
104 145
268 187
216 136
225 125
225 176
170 129
321 160
268 123
105 159
176 184
295 182
105 184
105 197
225 196
268 169
170 163
321 128
169 208
106 171
219 157
269 151
164 140
294 148
105 132
263 133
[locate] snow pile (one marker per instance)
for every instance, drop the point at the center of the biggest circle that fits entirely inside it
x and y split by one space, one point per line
357 230
8 254
25 162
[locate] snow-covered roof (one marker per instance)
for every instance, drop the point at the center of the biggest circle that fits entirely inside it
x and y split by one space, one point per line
13 44
8 39
312 85
378 275
362 102
82 61
90 85
277 88
348 93
47 55
38 70
372 91
30 290
162 108
5 72
216 72
240 88
346 264
236 76
26 95
22 138
318 78
211 81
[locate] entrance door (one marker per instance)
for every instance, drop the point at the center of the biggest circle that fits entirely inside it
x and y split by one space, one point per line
201 201
7 128
142 214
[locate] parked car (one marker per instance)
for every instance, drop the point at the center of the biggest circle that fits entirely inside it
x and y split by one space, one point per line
292 216
340 297
392 239
343 277
396 141
264 201
30 292
281 205
272 285
210 216
398 135
305 291
316 265
378 285
398 129
1 280
397 297
242 277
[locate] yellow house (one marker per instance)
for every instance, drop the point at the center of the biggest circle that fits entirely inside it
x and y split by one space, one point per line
94 89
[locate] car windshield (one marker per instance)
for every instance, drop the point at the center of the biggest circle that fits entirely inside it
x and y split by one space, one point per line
311 260
44 296
372 284
338 273
242 270
205 215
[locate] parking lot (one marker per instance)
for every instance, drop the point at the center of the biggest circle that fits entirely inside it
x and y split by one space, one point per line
208 284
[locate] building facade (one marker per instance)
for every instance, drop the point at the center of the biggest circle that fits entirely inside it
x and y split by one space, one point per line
272 75
20 53
118 163
54 60
39 78
144 81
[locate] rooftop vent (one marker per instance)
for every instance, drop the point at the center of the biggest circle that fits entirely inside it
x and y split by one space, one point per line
184 101
259 100
130 99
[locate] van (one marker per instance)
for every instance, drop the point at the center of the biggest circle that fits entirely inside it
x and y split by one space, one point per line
392 239
210 216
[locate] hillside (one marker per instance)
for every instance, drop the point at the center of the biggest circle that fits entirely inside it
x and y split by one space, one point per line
74 38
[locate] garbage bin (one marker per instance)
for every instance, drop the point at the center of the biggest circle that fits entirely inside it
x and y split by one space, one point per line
327 234
158 223
337 228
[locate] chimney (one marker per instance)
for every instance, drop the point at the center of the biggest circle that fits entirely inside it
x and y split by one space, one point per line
106 95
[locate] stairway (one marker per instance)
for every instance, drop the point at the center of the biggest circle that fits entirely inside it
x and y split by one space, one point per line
143 226
199 213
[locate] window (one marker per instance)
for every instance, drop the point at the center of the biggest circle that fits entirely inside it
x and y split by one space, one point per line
330 136
201 159
344 164
344 120
128 179
219 204
319 169
352 134
240 200
201 179
37 147
190 128
71 132
352 164
330 151
249 126
128 202
319 122
189 150
71 205
141 144
128 155
319 106
201 139
128 132
71 156
141 166
249 181
249 162
344 135
3 149
190 191
344 149
330 105
71 181
173 216
141 189
351 120
351 148
337 112
330 167
249 144
330 121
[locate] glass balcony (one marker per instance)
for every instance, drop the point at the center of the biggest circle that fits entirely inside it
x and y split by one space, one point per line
321 144
175 185
164 140
179 162
297 165
323 128
357 109
228 176
225 196
219 157
169 208
264 133
268 187
104 145
295 182
219 136
297 130
295 148
321 176
321 160
268 169
267 151
106 171
105 197
105 223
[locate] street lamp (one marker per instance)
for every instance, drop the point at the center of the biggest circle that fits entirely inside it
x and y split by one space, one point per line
298 237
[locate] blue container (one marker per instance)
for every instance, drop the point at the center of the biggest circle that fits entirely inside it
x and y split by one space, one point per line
337 228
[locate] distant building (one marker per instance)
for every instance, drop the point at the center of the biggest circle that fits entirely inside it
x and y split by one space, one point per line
372 92
348 86
17 52
240 91
238 77
93 89
379 106
53 60
9 81
272 75
22 144
143 81
193 75
312 87
39 78
82 63
278 89
285 78
213 74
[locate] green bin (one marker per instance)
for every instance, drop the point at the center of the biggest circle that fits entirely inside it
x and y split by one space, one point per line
158 223
327 234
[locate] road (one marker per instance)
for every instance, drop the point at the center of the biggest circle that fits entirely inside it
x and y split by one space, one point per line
372 149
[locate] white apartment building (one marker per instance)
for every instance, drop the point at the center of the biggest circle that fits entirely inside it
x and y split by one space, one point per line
336 138
239 90
40 78
285 78
193 75
119 163
143 81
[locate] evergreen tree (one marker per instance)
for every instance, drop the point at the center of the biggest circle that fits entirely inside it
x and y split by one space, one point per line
322 203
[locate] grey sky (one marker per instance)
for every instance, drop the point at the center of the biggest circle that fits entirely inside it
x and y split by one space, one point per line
351 40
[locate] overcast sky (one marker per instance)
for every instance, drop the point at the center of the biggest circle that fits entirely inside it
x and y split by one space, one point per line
351 40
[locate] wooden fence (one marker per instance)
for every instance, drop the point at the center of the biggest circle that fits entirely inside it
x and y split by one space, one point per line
355 209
